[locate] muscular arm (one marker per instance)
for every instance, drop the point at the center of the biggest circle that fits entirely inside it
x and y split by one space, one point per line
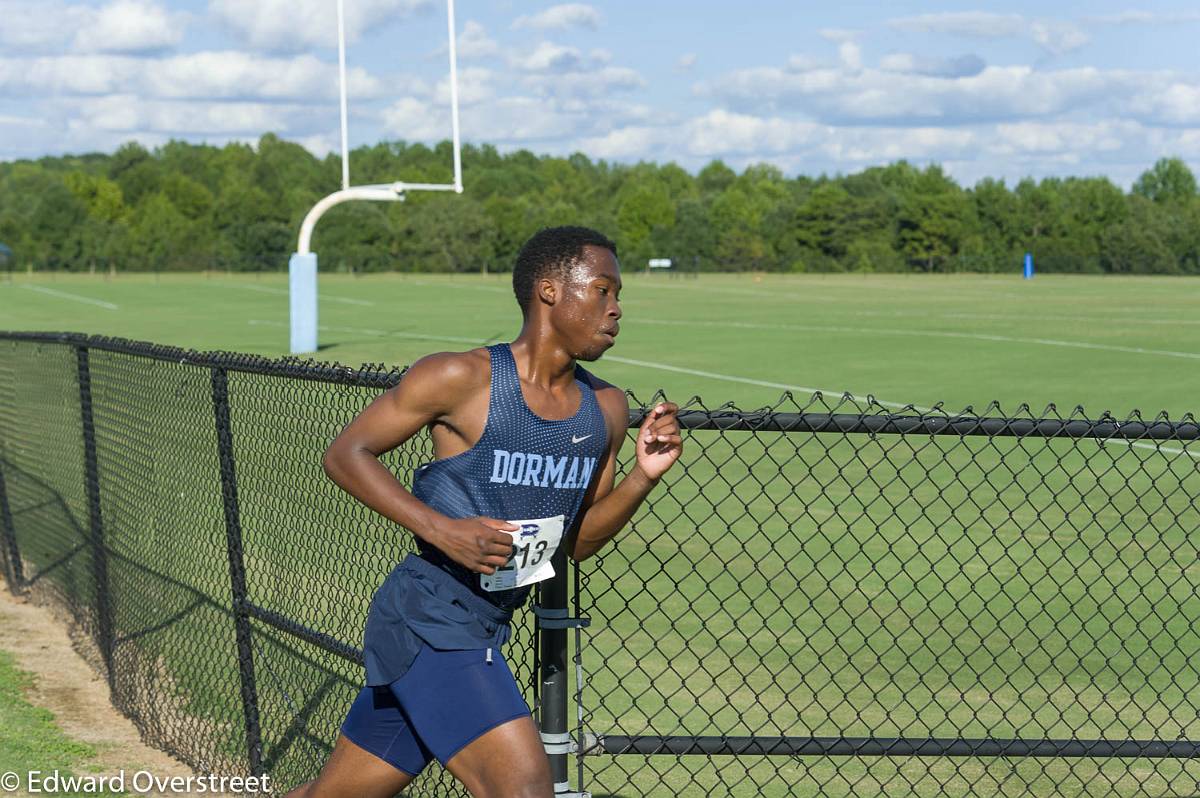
425 395
608 509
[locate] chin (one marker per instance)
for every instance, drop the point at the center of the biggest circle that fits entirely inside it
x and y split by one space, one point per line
593 354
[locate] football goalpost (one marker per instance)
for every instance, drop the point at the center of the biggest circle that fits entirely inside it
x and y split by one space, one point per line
302 268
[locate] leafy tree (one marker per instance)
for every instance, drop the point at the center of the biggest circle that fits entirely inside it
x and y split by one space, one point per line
1169 180
239 206
933 219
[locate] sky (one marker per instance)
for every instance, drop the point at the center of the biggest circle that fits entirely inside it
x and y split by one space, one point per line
1003 90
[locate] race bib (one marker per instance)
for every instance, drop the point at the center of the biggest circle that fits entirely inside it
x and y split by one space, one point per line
533 546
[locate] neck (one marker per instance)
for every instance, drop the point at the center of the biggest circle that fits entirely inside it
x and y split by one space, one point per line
541 358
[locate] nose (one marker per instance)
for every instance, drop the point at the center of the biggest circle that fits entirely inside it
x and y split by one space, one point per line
614 309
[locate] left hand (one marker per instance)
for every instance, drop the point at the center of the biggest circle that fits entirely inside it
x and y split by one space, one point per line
658 442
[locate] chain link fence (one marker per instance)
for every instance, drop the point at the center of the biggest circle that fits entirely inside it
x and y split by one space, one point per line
823 598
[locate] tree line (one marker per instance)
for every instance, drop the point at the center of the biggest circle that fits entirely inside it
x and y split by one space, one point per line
238 207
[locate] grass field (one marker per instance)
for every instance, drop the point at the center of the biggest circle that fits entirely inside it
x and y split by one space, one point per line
29 738
791 585
1108 343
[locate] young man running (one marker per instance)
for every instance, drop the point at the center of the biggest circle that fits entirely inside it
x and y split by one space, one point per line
523 434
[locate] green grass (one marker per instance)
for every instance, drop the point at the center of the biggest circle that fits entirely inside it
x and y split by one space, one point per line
776 585
29 738
894 336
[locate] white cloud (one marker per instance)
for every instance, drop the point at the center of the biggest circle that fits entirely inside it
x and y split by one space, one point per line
720 132
516 119
685 62
506 119
980 24
1172 102
1186 143
1056 137
475 85
1058 37
961 66
205 75
120 26
416 120
851 55
561 17
294 25
239 75
128 112
1055 36
839 34
724 134
320 144
549 57
21 121
1142 17
473 42
881 96
597 83
130 26
39 26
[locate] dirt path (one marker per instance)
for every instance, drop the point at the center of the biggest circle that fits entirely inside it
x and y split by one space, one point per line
79 699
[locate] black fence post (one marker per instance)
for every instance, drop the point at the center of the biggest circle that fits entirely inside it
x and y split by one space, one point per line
104 620
551 613
237 570
14 573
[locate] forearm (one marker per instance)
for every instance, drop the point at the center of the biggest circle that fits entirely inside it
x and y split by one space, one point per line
607 517
359 473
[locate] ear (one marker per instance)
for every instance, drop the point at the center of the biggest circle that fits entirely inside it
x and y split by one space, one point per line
546 290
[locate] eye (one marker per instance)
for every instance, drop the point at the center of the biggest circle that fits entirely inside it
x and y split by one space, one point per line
603 290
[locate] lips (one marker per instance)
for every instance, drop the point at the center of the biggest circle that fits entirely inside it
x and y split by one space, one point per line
611 332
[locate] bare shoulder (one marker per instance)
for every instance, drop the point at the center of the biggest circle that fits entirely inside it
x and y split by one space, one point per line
448 375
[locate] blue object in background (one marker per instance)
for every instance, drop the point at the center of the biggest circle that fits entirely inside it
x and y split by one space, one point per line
302 294
1028 265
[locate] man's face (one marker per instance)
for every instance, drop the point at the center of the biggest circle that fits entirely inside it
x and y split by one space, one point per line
587 313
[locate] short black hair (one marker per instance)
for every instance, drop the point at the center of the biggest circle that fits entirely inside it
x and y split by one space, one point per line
552 250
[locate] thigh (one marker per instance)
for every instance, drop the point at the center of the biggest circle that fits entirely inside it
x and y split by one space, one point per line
506 762
378 736
467 710
353 772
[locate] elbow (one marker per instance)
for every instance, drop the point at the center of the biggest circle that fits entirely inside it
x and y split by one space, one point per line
579 554
331 461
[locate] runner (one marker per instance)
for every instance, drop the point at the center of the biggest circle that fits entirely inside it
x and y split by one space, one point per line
526 445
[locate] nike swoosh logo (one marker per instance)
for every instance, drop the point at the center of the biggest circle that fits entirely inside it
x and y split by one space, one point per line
579 440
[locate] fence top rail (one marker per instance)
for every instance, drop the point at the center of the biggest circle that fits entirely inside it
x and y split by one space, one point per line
820 414
369 375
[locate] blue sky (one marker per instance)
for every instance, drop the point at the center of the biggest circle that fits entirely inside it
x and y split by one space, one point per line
992 89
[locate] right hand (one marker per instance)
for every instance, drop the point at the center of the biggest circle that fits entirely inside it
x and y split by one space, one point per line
478 543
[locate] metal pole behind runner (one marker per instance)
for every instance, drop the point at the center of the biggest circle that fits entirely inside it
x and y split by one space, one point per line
104 622
237 571
552 633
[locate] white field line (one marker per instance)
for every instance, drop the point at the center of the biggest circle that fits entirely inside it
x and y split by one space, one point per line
64 295
1010 317
380 333
819 294
816 294
707 375
712 375
262 289
448 284
627 361
923 333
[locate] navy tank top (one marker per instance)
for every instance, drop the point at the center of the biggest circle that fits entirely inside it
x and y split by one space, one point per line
523 466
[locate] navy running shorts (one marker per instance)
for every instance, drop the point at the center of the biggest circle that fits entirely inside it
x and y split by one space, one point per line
446 700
